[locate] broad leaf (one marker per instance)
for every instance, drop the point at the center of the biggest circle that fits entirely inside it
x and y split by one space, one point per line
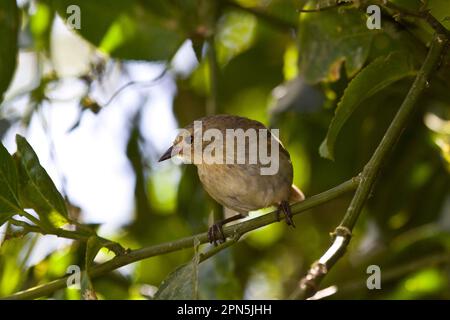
379 74
329 38
127 29
181 284
218 278
9 185
37 190
236 33
9 26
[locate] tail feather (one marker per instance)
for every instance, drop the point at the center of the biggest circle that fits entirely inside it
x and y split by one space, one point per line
296 194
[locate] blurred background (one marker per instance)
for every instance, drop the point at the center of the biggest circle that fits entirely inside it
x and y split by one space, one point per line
102 103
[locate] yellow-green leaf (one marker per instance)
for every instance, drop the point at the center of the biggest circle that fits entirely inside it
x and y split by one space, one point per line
36 189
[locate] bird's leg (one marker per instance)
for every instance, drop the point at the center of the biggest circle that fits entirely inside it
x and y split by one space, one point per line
215 232
286 209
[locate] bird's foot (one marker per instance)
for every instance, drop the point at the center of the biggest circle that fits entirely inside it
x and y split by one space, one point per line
215 233
286 210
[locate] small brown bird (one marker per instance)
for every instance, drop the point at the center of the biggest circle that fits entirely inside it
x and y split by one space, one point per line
241 164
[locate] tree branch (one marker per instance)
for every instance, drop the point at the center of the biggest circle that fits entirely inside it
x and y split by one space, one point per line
310 283
235 231
423 14
82 233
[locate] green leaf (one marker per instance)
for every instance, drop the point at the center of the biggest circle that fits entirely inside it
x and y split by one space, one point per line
440 9
41 25
9 27
329 38
128 29
218 279
181 284
140 37
236 33
36 189
9 186
376 76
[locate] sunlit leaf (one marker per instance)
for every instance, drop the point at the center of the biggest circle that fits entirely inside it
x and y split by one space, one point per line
41 25
330 38
379 74
9 186
236 33
181 284
37 190
9 26
14 256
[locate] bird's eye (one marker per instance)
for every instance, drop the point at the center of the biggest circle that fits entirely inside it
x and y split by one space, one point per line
188 139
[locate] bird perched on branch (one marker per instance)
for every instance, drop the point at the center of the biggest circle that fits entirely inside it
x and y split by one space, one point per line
241 164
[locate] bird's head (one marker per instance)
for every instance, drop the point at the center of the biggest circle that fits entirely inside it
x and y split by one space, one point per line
181 147
191 141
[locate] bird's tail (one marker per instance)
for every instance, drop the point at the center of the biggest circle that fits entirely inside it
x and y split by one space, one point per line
296 195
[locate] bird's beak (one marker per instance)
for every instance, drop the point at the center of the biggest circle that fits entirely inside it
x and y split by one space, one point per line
167 155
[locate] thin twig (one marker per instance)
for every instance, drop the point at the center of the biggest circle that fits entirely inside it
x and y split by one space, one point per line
423 14
151 82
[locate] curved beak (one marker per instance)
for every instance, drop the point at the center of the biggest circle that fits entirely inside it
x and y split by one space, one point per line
167 155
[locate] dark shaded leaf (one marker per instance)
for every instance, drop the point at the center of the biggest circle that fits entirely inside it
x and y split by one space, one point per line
197 46
329 38
193 203
379 74
181 284
9 27
9 185
218 278
37 190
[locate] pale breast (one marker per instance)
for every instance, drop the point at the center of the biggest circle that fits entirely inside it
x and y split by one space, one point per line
243 188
